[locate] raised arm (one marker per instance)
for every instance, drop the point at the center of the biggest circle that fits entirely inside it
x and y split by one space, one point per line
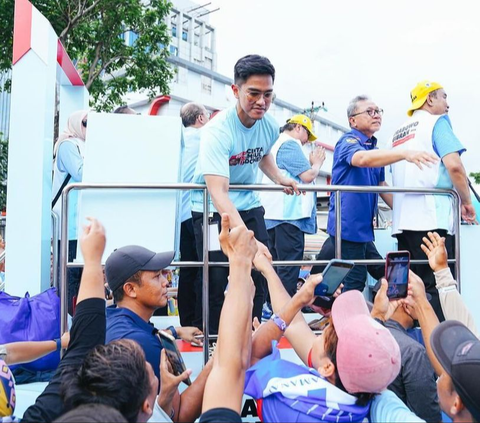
268 167
224 387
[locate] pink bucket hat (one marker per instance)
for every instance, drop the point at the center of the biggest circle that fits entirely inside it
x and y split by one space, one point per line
368 357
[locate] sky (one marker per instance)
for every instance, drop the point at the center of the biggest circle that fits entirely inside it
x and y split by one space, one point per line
331 51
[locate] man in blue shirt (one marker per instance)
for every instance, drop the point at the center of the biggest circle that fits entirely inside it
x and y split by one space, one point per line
358 161
136 277
233 146
194 116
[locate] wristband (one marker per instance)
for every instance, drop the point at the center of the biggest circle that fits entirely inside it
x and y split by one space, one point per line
59 344
279 322
174 331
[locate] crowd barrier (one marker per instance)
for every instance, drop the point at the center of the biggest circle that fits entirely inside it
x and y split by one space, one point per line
205 263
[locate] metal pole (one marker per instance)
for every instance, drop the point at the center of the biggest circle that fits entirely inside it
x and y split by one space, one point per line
338 225
63 262
55 250
205 290
457 218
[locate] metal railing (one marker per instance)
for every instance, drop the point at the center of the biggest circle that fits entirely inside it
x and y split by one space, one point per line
206 264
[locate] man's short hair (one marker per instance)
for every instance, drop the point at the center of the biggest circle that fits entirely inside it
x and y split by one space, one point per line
92 413
115 375
352 106
119 293
121 109
253 64
190 112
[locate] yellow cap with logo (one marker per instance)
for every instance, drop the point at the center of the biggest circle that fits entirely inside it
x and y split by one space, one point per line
305 122
420 93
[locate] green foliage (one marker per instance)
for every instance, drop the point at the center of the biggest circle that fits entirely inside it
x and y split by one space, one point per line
93 31
3 171
475 176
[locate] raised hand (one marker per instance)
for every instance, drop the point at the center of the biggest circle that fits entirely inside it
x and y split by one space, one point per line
92 241
238 242
434 248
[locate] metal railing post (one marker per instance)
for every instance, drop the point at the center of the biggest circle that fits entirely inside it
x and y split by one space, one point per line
338 224
55 268
205 284
63 262
457 221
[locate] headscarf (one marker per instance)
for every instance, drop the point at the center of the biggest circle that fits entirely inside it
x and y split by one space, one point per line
73 129
7 391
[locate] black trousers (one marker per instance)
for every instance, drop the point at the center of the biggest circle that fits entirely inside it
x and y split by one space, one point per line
190 281
254 221
287 242
411 241
74 275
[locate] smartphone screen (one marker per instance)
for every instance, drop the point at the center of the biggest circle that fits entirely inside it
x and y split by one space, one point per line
173 355
333 275
396 271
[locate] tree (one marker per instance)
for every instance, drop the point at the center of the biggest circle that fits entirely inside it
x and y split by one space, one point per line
476 177
93 33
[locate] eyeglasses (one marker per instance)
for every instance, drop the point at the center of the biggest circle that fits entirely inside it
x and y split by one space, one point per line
306 130
253 96
370 112
84 123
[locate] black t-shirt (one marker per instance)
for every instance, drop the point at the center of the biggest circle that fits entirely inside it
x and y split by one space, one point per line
220 415
88 331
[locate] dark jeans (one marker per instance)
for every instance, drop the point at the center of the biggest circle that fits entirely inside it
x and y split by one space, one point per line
73 276
350 251
411 241
287 242
254 221
190 281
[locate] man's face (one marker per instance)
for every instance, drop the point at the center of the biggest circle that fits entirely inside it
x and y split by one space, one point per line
152 292
362 120
446 393
255 96
439 105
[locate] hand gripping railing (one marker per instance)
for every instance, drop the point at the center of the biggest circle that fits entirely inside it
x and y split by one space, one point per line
206 264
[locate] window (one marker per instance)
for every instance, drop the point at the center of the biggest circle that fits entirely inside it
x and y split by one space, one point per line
174 30
184 35
173 50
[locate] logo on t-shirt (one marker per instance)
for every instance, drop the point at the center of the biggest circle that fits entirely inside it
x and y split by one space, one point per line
252 155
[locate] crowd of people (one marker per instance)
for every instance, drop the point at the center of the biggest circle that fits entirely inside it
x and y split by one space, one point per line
399 360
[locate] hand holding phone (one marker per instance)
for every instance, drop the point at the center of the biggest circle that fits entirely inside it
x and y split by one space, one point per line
173 354
397 266
333 276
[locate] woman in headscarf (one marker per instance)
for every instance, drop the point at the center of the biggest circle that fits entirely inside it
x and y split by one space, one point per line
68 169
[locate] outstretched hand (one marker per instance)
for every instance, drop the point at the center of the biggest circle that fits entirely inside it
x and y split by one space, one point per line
238 242
434 248
420 158
92 241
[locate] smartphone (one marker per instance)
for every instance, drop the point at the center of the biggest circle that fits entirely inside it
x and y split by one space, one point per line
173 354
333 275
397 266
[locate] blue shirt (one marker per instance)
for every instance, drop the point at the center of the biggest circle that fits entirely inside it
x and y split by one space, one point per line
357 210
444 140
230 150
123 323
191 139
291 158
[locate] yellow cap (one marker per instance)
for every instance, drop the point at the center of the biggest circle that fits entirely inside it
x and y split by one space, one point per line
420 93
305 122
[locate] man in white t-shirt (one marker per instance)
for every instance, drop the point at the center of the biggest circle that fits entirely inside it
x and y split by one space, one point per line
233 146
428 128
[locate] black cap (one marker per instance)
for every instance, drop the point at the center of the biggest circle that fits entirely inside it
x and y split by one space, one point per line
124 262
458 351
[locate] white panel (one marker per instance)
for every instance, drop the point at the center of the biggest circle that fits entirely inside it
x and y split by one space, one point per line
42 35
132 149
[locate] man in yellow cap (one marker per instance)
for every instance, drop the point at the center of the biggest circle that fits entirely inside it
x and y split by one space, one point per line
428 128
288 218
